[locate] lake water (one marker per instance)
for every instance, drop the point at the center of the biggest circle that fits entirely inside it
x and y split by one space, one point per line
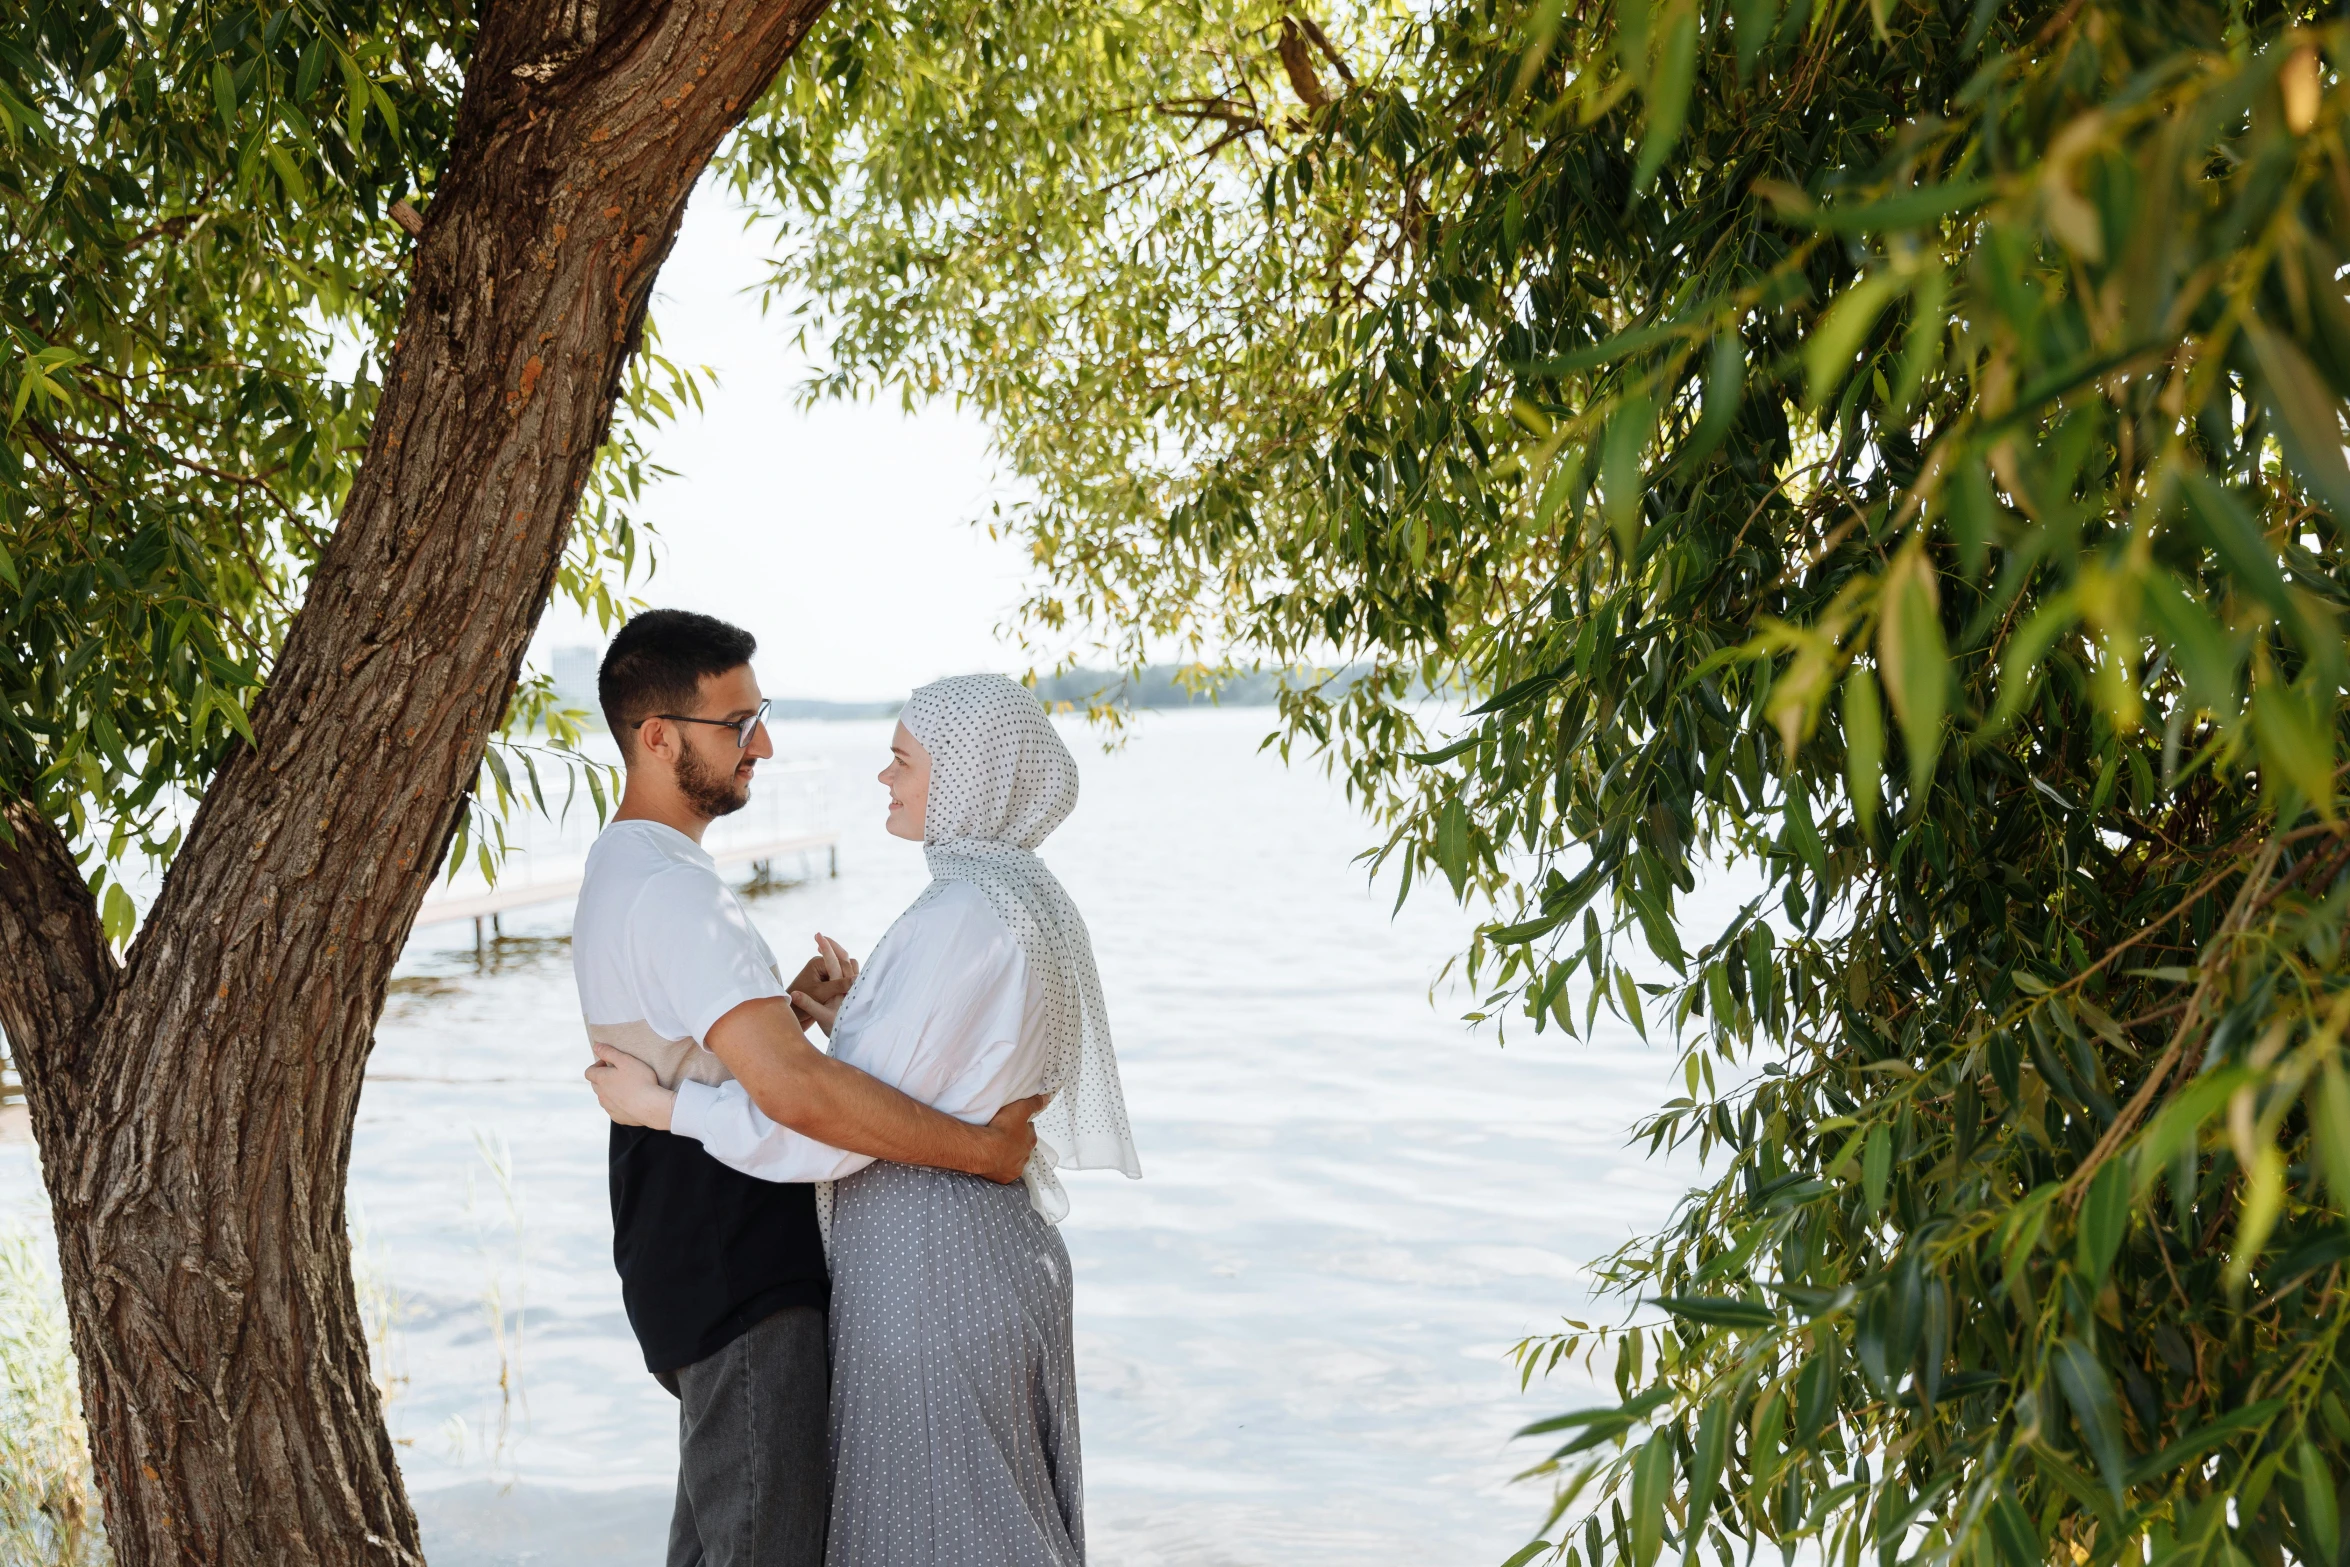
1291 1335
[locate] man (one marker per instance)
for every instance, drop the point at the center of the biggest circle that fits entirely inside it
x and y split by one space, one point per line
723 1275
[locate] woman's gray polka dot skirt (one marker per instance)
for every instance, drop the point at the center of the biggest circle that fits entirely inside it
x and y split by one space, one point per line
954 1383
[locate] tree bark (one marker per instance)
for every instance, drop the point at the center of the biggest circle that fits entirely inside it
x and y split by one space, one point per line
194 1108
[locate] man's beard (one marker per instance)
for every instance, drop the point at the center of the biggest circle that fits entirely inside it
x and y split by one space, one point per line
711 793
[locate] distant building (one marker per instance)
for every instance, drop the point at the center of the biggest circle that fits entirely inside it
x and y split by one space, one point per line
575 679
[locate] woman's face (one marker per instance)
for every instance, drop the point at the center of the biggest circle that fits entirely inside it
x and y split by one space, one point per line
907 778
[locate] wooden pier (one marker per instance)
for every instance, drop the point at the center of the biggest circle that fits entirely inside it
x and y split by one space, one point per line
484 907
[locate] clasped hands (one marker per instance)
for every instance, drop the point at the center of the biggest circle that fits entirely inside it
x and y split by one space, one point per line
822 983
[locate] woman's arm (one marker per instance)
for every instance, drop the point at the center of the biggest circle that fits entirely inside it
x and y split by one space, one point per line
730 1128
825 1101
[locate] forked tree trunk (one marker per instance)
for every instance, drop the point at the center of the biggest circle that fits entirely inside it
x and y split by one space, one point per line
194 1106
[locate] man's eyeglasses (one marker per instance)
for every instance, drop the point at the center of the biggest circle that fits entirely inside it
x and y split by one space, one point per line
742 727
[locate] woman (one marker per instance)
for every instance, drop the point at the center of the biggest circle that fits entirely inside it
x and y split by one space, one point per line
954 1403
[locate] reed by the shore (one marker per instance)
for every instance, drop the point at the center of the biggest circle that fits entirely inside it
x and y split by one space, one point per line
49 1509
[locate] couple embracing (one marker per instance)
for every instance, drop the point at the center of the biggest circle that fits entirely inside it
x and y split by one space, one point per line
910 1400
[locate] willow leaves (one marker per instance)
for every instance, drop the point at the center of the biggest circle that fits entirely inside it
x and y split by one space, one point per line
1897 447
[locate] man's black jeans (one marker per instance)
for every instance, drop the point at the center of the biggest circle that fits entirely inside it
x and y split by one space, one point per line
753 1466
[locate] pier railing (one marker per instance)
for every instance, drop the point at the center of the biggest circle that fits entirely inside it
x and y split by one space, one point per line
788 816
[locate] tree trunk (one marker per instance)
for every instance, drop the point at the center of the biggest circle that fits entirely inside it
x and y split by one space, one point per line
194 1107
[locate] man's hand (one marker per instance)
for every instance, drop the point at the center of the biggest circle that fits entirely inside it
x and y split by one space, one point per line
631 1094
1018 1138
816 991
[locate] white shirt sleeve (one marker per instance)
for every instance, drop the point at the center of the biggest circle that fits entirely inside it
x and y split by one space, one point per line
940 1014
693 954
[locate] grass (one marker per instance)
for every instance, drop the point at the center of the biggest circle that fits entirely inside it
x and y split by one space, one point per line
505 1307
49 1510
379 1310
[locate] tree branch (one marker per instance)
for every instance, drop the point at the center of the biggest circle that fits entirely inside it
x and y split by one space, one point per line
56 969
1329 50
1298 63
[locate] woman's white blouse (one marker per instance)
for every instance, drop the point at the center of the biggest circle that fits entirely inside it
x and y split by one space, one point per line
945 1011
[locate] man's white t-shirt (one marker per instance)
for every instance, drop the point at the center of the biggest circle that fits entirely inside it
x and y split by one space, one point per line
662 949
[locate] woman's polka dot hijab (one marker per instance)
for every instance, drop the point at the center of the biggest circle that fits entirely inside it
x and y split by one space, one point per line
1000 782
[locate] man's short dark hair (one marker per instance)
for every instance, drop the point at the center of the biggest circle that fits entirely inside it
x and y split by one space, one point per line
656 665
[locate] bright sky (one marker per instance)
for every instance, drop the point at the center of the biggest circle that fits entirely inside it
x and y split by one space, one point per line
841 536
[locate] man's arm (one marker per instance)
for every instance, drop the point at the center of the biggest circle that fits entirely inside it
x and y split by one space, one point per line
732 1128
801 1087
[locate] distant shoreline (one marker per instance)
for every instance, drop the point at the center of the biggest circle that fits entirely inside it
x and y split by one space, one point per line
790 709
1158 686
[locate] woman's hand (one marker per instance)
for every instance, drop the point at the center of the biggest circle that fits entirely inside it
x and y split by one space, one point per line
628 1090
818 991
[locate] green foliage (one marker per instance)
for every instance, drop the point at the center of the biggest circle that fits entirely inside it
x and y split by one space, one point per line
198 262
1892 451
1020 204
196 205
